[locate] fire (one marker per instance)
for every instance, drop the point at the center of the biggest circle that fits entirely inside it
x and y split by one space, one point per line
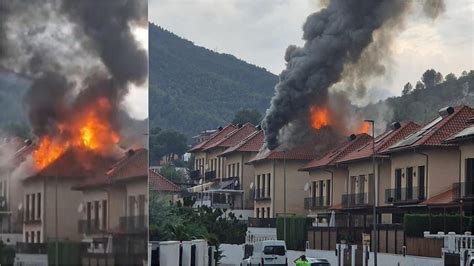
319 117
87 129
363 128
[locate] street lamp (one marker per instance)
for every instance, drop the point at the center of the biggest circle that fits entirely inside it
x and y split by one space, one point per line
284 195
372 122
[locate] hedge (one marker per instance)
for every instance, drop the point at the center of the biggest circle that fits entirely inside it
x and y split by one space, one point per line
416 224
296 231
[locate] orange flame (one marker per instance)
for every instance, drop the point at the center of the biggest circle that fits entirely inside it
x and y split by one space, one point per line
89 129
363 128
319 117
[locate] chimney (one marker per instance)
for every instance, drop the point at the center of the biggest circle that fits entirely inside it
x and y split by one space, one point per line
219 128
395 125
239 125
258 127
27 142
443 112
352 137
130 152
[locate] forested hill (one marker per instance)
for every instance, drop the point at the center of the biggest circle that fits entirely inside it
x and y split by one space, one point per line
193 88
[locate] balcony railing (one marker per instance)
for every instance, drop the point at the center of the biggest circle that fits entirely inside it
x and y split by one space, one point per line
463 190
261 194
405 194
89 227
316 203
134 224
194 174
356 200
210 175
31 248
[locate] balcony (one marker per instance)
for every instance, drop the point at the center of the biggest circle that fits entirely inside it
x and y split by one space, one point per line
261 222
463 190
89 227
404 195
316 203
194 175
31 248
134 224
261 194
210 175
356 200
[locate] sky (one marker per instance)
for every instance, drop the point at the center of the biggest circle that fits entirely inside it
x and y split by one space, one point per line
259 31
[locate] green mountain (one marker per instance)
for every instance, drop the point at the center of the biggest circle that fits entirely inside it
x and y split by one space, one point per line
193 88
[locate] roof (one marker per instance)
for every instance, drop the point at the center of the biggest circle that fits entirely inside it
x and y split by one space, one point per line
445 197
463 135
75 163
233 138
214 138
303 152
132 165
157 182
333 155
252 143
435 132
382 141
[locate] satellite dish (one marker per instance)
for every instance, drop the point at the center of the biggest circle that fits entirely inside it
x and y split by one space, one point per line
306 187
236 183
200 181
3 202
80 208
251 185
20 206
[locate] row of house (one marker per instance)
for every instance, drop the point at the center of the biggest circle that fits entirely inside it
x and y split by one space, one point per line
409 167
80 197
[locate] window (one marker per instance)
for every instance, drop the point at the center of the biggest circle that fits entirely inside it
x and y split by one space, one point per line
398 184
263 186
33 203
469 171
96 214
38 237
89 214
274 250
131 206
233 170
27 208
263 212
238 169
39 205
104 214
268 212
328 192
228 171
258 186
268 184
26 237
409 183
257 212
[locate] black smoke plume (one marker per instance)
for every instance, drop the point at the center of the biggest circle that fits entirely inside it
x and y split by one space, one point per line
74 52
346 43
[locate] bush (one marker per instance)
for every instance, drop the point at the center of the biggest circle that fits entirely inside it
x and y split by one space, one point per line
416 224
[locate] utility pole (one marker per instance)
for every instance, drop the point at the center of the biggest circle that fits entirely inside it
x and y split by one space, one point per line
374 204
284 195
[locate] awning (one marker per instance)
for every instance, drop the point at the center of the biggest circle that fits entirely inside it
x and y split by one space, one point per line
200 188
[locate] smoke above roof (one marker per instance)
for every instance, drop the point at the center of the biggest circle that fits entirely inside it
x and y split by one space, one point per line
346 44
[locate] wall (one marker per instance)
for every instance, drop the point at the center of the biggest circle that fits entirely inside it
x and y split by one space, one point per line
246 173
136 188
30 187
91 196
338 188
467 151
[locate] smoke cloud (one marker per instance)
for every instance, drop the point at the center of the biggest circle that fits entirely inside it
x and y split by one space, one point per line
74 52
346 44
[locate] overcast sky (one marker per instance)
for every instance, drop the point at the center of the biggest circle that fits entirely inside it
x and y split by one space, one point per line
258 31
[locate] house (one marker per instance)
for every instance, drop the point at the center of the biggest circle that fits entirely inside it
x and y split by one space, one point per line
329 186
164 187
13 152
114 210
464 187
272 168
424 167
237 157
48 196
360 181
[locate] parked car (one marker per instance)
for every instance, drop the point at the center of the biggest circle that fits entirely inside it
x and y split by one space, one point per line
318 262
268 252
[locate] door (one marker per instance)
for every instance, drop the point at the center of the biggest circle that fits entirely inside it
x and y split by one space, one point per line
409 184
361 194
421 182
321 189
398 184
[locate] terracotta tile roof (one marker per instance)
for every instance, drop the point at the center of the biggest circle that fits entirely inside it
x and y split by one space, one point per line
445 197
75 163
132 165
252 143
160 183
435 132
234 137
463 135
214 138
333 155
303 152
382 141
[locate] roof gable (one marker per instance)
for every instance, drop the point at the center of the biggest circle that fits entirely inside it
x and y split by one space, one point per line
160 183
214 138
234 137
252 143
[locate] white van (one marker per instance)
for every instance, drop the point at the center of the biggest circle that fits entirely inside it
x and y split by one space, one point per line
268 252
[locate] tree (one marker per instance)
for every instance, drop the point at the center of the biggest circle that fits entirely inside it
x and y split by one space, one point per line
166 142
169 171
407 88
431 78
247 115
